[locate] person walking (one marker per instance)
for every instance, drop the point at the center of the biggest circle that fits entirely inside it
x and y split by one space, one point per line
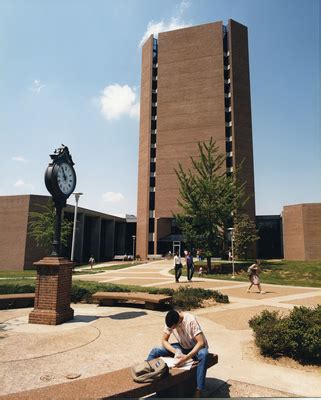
91 262
253 271
190 266
191 344
177 266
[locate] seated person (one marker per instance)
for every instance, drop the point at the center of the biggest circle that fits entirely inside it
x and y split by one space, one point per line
191 344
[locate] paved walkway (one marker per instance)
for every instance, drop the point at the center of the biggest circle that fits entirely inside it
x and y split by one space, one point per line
103 339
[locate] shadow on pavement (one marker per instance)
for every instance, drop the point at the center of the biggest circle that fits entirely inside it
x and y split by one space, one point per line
217 389
82 318
128 315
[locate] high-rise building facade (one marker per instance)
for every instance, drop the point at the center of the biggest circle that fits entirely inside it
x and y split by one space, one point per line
195 85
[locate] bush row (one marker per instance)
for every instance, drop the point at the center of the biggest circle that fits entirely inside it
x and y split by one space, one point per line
185 298
297 335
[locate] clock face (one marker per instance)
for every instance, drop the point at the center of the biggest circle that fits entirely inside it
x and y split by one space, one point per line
66 179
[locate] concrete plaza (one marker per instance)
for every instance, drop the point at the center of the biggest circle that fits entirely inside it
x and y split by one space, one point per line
103 339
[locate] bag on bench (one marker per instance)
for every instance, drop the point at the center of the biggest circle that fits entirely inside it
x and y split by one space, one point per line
149 371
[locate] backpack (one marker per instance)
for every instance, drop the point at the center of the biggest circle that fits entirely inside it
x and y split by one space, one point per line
149 371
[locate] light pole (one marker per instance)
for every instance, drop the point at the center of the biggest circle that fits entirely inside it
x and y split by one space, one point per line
232 239
134 238
77 195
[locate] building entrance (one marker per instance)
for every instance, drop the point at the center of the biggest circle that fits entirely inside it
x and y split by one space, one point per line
177 247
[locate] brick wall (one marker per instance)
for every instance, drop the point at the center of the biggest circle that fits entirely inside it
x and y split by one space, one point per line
144 150
13 230
190 104
302 232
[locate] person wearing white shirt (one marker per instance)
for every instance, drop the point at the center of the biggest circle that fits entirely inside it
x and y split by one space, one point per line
177 266
190 343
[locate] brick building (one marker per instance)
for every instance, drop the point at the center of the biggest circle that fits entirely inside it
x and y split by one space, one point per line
97 234
195 85
302 231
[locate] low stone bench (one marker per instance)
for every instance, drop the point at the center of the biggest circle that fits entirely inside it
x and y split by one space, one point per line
179 383
123 258
19 300
152 301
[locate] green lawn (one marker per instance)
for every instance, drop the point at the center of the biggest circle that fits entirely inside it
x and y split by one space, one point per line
33 273
281 272
102 269
18 274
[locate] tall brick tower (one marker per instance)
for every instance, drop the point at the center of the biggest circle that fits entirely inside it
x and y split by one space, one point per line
195 85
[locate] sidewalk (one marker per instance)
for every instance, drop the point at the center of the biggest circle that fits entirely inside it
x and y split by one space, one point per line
100 339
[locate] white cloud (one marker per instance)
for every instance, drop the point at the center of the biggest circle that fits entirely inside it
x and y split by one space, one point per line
19 159
112 197
20 184
117 100
176 22
37 86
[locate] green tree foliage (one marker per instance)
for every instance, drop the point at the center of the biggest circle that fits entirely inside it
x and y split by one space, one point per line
245 235
208 197
42 226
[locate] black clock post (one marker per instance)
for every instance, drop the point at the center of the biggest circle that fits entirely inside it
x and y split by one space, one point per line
54 273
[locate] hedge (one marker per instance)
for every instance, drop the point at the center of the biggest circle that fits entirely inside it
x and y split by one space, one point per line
297 335
185 298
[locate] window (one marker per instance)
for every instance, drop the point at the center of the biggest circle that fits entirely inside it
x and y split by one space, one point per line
151 244
152 167
228 147
153 125
151 225
152 200
153 139
154 98
227 102
229 162
152 181
152 153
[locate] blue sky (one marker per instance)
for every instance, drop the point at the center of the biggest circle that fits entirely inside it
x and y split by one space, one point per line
70 73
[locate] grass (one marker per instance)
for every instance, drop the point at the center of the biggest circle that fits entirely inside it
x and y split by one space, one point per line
103 269
18 274
28 274
280 272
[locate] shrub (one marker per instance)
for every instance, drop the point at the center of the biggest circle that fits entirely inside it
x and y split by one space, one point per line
297 335
15 286
187 298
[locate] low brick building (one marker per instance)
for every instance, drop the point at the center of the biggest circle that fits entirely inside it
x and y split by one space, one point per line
302 231
97 234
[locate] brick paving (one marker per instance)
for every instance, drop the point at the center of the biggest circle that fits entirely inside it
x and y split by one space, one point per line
103 339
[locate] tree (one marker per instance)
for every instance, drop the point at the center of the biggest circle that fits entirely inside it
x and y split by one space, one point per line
42 226
208 198
245 235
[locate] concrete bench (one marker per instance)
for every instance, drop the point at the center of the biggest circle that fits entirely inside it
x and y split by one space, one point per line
152 301
118 384
155 257
19 300
123 258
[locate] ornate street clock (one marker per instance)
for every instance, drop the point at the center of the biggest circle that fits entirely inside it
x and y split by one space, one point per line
60 180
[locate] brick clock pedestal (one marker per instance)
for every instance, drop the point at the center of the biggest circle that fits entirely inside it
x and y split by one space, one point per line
53 290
